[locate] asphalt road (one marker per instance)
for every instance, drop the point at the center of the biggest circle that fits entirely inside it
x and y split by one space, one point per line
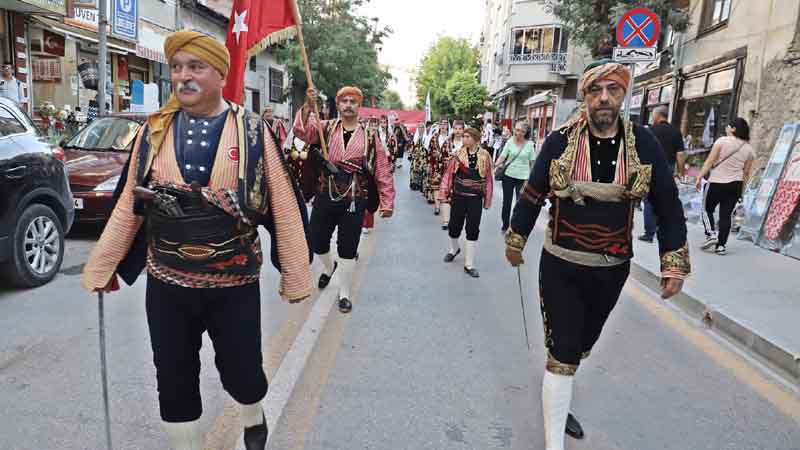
429 359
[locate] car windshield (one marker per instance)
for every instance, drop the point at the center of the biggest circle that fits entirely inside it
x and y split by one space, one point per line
108 133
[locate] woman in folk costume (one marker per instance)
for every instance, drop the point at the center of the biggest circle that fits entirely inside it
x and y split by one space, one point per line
456 142
430 130
467 187
388 140
438 156
360 180
417 153
204 174
594 170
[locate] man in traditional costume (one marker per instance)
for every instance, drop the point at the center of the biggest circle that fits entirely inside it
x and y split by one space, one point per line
438 156
417 154
387 137
356 177
275 124
202 176
467 187
593 169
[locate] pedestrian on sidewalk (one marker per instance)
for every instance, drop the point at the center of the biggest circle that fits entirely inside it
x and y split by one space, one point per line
203 253
516 159
467 186
728 167
361 180
671 140
593 169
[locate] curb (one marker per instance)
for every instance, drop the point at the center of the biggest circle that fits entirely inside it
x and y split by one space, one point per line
773 355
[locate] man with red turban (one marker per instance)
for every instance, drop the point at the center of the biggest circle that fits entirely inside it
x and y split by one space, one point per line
593 169
354 178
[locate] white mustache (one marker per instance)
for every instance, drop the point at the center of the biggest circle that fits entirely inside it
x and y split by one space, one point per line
189 86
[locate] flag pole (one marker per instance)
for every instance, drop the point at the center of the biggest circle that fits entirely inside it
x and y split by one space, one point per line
309 79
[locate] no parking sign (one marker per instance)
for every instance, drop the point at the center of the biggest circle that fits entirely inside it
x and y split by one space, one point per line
639 27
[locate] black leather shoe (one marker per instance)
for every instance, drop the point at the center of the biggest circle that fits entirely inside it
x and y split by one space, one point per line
345 306
472 272
325 279
436 212
449 257
574 428
255 437
445 226
646 238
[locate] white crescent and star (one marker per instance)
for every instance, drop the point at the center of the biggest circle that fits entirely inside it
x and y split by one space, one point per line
239 24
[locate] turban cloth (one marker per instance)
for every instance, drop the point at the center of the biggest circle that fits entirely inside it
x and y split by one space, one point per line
604 70
476 135
350 90
200 45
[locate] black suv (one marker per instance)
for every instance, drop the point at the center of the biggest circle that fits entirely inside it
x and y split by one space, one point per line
36 206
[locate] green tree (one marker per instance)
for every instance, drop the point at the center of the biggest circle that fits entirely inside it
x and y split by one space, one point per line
593 23
442 61
391 100
466 94
342 49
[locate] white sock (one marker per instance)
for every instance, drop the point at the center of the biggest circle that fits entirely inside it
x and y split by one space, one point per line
556 398
252 415
327 261
346 269
470 254
445 213
185 435
454 246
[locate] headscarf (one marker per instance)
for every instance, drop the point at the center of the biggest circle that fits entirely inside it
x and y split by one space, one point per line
350 90
198 44
604 69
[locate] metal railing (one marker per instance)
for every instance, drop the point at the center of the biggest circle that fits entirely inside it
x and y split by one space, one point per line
557 61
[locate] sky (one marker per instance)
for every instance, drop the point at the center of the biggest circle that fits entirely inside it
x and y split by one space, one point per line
417 24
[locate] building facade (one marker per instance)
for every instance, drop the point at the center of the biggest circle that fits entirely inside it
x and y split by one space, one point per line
529 65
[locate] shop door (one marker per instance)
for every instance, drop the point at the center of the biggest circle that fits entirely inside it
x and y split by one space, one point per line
256 104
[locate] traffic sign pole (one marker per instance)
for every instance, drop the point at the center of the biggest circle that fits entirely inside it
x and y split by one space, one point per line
630 93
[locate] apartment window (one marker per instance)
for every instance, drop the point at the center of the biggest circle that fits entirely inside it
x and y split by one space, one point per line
716 12
537 44
275 85
252 64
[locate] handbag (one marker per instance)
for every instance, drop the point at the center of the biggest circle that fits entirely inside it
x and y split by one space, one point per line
718 163
500 171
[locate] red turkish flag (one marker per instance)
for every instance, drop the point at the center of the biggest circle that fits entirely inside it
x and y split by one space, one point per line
254 26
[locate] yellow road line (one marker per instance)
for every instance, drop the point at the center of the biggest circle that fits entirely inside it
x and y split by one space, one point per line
786 402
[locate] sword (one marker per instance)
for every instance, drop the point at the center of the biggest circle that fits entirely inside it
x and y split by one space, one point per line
522 303
103 372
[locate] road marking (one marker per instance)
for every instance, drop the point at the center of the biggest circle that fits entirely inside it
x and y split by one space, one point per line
784 401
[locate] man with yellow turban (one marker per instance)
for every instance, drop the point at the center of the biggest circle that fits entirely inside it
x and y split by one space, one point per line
355 178
203 175
593 169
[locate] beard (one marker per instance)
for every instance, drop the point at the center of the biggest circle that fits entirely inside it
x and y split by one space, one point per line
603 118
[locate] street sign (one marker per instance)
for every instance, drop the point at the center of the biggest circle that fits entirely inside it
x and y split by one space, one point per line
638 27
125 19
627 55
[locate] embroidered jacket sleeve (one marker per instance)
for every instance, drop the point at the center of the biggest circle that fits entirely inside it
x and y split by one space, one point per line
663 196
290 236
118 234
446 187
487 198
383 177
534 192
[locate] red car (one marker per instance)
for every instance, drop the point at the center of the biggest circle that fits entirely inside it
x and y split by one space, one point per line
94 158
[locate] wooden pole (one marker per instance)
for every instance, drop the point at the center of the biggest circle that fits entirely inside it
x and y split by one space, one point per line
309 79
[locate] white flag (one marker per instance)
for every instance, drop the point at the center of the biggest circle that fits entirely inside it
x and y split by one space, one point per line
428 107
708 131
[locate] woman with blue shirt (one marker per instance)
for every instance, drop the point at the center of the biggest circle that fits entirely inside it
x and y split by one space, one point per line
520 156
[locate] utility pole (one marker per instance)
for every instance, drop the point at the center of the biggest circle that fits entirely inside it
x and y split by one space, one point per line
102 23
178 24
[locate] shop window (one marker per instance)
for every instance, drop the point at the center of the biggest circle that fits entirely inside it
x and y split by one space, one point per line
666 94
252 64
9 124
694 87
715 13
703 119
275 85
721 81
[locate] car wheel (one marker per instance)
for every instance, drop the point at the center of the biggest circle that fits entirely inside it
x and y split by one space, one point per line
38 247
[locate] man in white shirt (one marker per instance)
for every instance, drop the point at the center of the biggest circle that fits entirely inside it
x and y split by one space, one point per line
10 87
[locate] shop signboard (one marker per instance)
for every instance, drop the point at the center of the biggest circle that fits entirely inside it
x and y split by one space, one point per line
757 198
125 19
56 6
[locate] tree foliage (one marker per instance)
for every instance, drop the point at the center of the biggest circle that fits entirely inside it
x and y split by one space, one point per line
466 94
391 100
446 58
593 23
342 48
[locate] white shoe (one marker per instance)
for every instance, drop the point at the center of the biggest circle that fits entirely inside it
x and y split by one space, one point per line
709 242
720 250
366 230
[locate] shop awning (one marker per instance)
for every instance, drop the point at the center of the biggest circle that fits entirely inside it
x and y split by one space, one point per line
542 97
503 93
47 7
114 44
151 43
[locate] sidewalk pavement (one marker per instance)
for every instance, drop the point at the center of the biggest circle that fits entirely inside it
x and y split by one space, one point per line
750 295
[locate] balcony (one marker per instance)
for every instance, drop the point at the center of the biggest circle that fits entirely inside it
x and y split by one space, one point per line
556 61
537 68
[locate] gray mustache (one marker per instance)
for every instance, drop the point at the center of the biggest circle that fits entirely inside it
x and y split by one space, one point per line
189 86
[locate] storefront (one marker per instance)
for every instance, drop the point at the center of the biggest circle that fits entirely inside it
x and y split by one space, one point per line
658 95
540 114
707 102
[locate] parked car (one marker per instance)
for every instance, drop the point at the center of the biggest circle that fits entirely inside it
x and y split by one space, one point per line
36 209
94 159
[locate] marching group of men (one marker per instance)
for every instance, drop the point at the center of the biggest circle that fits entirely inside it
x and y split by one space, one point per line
204 174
